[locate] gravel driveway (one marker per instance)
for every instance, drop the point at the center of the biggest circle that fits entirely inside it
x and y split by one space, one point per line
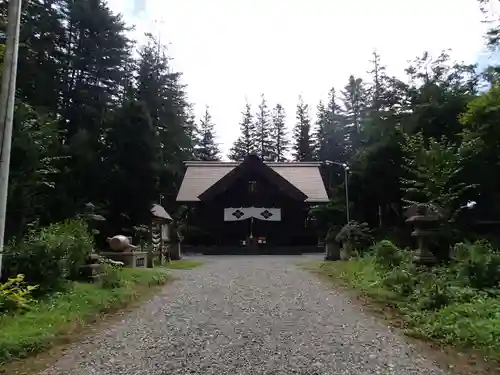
245 315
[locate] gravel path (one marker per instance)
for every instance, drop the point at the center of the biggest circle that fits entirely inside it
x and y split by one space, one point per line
245 315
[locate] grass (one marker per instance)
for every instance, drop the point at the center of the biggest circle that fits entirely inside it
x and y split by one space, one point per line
55 320
471 325
183 264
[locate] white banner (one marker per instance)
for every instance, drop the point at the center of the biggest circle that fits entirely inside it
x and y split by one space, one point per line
237 214
267 214
260 213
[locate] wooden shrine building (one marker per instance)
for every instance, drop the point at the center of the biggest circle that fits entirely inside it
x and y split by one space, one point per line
251 203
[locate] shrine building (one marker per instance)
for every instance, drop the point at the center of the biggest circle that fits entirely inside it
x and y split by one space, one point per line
251 203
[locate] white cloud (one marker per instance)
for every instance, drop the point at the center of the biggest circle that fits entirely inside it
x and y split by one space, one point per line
231 50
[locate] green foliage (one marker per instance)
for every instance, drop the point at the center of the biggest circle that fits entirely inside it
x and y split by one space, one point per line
480 141
302 142
328 218
60 317
206 148
246 143
134 146
264 143
357 236
111 274
388 255
279 140
50 255
91 217
15 295
479 264
432 171
455 304
36 160
184 264
470 324
399 280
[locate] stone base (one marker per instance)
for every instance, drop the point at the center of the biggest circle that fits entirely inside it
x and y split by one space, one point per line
91 272
425 260
131 259
332 251
155 259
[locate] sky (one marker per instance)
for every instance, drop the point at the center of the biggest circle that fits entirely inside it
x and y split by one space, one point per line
232 51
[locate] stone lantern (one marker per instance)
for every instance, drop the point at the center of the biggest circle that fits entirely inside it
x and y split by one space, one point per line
426 224
332 247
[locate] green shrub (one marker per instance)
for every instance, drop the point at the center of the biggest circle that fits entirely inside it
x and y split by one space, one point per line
475 324
388 255
50 255
111 274
434 294
355 237
15 295
478 263
400 280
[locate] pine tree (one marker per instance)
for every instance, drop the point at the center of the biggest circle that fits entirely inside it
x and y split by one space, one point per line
93 76
134 157
207 149
280 142
42 58
377 90
262 130
93 52
191 131
335 130
159 88
379 103
320 135
354 99
35 170
303 150
245 144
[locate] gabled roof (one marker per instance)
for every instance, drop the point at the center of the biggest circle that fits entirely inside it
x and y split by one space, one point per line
253 163
201 175
160 212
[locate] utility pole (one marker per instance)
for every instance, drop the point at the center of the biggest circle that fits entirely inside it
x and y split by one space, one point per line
346 182
7 101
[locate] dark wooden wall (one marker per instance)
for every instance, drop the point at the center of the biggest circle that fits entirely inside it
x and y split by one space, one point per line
291 230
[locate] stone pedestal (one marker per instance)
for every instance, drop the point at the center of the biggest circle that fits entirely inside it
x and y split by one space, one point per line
130 259
425 232
424 255
156 259
91 271
332 250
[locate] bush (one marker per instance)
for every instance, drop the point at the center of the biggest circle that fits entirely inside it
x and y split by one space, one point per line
400 280
388 255
473 324
433 294
50 255
111 274
15 295
355 237
478 264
